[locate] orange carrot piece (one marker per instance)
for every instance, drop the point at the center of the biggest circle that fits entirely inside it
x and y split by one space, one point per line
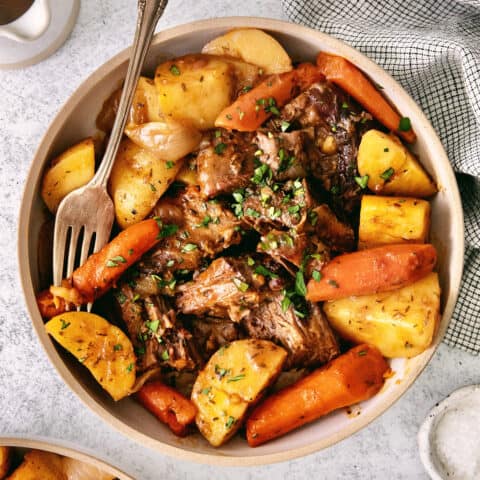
250 110
168 405
102 269
343 73
375 270
350 378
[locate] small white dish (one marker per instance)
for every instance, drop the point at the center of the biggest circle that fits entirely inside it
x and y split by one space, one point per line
449 438
18 50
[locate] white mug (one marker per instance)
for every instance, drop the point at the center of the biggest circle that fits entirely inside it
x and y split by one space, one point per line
30 25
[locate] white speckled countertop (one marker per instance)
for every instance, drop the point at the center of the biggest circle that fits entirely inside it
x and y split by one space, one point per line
34 400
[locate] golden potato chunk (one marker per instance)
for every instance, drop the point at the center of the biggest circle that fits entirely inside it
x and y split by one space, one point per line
399 323
195 89
72 169
38 465
5 457
137 181
102 347
391 168
253 46
386 220
231 381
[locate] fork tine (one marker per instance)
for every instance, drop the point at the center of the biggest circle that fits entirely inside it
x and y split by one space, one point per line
87 238
72 249
59 240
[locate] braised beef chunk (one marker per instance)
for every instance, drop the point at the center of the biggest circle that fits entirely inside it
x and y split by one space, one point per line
276 205
284 247
335 119
307 338
337 235
157 335
225 162
285 153
192 229
228 288
212 333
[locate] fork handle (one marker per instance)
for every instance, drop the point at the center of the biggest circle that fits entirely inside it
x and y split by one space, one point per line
148 13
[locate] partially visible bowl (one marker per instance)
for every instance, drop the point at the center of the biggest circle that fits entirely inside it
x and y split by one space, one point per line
24 445
76 120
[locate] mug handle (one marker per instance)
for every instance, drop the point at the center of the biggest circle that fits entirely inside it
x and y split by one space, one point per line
31 25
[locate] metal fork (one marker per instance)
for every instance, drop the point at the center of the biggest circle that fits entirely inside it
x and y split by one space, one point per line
90 208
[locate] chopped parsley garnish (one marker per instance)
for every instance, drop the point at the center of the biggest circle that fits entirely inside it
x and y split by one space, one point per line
333 283
228 116
236 378
362 181
387 174
140 350
165 355
206 391
345 105
117 347
170 263
130 367
258 153
169 164
300 287
252 213
220 148
174 70
261 270
386 149
404 124
250 262
316 275
262 174
121 298
238 196
240 284
246 88
114 261
312 217
135 297
189 247
284 126
206 220
335 190
230 422
153 326
286 302
152 187
218 133
221 372
362 353
64 324
294 209
166 230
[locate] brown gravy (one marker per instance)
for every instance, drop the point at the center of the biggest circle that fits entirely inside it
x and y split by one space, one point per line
10 10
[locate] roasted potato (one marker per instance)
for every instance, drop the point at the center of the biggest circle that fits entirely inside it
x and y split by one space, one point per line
72 169
385 220
391 168
251 46
195 88
137 181
188 174
400 323
102 347
38 465
5 457
232 380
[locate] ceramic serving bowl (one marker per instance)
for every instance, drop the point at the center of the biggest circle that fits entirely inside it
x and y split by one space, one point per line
24 445
76 120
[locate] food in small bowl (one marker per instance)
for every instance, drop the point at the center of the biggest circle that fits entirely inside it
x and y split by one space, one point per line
29 459
271 261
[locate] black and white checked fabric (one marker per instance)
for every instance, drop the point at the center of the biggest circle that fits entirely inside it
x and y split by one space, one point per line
432 47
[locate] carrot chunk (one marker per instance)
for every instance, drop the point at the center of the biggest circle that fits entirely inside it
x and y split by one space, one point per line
344 74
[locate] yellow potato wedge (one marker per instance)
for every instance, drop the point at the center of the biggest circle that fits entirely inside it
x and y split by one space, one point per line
195 89
391 168
38 465
72 169
137 181
399 323
5 457
252 46
188 174
102 347
388 220
232 380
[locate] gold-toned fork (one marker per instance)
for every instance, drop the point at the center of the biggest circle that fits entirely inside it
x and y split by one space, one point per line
88 212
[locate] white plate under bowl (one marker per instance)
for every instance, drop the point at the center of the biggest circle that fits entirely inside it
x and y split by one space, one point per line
76 120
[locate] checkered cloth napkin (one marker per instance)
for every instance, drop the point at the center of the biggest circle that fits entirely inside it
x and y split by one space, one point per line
432 47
